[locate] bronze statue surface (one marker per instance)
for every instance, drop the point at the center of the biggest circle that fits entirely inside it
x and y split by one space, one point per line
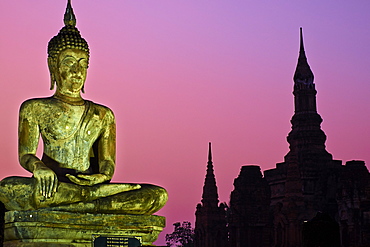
79 138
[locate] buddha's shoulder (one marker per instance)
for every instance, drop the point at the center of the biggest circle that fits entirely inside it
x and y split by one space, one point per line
37 102
101 109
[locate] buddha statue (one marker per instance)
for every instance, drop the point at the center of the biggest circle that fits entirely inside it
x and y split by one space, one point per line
78 137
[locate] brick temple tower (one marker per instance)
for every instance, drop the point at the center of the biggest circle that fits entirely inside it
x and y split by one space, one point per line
210 223
309 187
305 183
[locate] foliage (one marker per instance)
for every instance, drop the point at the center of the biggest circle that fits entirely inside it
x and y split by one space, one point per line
182 236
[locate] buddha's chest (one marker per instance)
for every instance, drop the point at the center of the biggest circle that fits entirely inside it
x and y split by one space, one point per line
67 122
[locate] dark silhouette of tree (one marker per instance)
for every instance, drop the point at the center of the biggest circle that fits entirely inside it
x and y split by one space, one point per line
182 236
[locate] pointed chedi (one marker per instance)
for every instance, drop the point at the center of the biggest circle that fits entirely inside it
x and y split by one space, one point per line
210 194
303 73
210 224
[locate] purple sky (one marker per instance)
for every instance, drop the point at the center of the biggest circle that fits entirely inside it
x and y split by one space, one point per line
179 74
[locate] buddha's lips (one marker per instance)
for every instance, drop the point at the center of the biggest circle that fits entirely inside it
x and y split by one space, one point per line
76 81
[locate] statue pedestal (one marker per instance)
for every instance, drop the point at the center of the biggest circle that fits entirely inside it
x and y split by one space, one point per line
43 228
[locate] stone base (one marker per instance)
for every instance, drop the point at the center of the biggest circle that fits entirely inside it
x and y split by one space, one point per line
43 228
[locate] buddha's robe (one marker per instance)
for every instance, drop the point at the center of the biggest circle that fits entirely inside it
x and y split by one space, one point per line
78 152
81 144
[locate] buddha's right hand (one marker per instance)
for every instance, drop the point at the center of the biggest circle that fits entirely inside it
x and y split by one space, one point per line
46 179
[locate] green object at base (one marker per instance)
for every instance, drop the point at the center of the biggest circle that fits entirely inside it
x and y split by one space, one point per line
64 229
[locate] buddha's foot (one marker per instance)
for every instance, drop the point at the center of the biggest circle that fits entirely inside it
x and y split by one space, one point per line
105 190
147 200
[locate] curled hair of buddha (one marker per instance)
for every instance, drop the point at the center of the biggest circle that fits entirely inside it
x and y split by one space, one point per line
69 37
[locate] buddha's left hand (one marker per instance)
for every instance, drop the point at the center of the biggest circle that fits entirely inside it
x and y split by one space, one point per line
89 180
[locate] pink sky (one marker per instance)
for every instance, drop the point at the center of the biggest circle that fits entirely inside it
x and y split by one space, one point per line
180 74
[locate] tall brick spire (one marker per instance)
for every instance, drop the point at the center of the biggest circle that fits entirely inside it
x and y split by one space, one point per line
210 216
210 195
303 73
307 140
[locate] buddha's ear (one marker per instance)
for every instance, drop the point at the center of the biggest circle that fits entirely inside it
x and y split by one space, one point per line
52 67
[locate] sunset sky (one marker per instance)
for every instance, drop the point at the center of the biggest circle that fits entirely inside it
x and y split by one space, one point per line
181 73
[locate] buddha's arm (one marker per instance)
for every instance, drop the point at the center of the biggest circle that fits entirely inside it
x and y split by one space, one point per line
106 154
107 147
28 138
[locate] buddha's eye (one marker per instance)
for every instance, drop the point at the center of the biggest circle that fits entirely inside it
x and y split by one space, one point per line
69 62
84 64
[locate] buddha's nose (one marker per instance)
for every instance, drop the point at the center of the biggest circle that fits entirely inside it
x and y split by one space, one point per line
77 69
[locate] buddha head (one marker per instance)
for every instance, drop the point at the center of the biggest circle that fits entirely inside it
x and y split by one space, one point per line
68 56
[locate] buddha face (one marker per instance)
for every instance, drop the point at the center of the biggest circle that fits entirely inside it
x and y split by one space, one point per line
69 71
